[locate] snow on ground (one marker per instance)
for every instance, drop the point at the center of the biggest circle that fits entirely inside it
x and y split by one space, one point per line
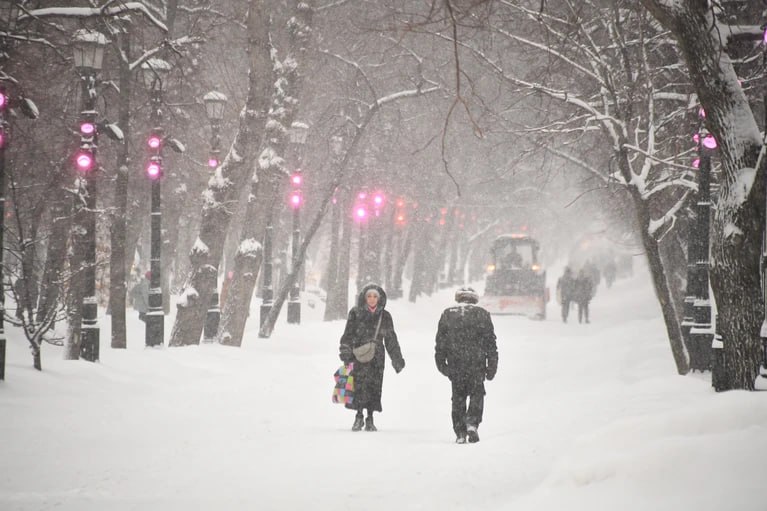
580 417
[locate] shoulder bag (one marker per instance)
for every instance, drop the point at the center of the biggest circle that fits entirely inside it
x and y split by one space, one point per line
365 352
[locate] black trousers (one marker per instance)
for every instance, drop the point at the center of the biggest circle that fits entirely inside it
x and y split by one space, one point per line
565 309
471 388
583 311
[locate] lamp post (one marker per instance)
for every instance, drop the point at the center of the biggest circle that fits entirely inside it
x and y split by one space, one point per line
267 293
9 13
763 331
3 142
697 317
88 47
298 132
154 72
331 303
214 108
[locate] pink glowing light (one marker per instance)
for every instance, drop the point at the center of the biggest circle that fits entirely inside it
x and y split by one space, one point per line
696 163
296 179
295 200
212 163
153 142
378 199
87 128
3 100
709 142
764 37
696 138
153 170
702 113
362 195
84 161
361 213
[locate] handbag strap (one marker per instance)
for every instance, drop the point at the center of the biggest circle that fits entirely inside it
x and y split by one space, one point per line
375 336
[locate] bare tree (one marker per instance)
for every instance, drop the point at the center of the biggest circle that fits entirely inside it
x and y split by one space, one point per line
739 219
224 186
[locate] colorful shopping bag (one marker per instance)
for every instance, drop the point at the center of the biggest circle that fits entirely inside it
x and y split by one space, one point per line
343 393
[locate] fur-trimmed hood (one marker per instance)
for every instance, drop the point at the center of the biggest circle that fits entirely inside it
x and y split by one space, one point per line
362 304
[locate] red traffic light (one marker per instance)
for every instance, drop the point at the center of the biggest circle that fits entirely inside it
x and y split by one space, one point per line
296 179
378 200
84 161
153 170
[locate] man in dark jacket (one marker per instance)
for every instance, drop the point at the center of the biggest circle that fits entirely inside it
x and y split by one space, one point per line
565 288
466 353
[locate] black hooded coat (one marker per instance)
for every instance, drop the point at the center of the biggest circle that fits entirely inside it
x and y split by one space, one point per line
360 328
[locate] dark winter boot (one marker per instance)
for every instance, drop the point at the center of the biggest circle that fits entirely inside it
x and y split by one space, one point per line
471 433
369 426
357 426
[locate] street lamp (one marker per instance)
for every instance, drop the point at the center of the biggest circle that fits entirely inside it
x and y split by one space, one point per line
9 13
214 108
696 324
154 73
297 133
88 52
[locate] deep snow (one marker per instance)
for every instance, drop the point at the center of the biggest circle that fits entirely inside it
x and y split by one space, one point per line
580 417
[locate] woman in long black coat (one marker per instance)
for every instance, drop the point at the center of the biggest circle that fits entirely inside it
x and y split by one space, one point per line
368 377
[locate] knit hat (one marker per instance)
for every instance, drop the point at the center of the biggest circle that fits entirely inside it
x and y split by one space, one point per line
466 295
372 291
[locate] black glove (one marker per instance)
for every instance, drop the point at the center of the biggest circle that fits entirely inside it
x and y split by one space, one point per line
345 354
399 365
444 370
489 373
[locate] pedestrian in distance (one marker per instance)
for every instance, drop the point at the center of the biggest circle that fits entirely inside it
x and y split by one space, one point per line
584 291
369 322
565 288
467 354
140 296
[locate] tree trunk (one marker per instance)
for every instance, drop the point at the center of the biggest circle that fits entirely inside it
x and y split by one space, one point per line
223 187
402 257
736 281
738 220
117 263
660 284
295 268
56 256
331 308
247 262
341 290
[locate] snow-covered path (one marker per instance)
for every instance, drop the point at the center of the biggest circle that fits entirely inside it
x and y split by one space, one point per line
580 417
